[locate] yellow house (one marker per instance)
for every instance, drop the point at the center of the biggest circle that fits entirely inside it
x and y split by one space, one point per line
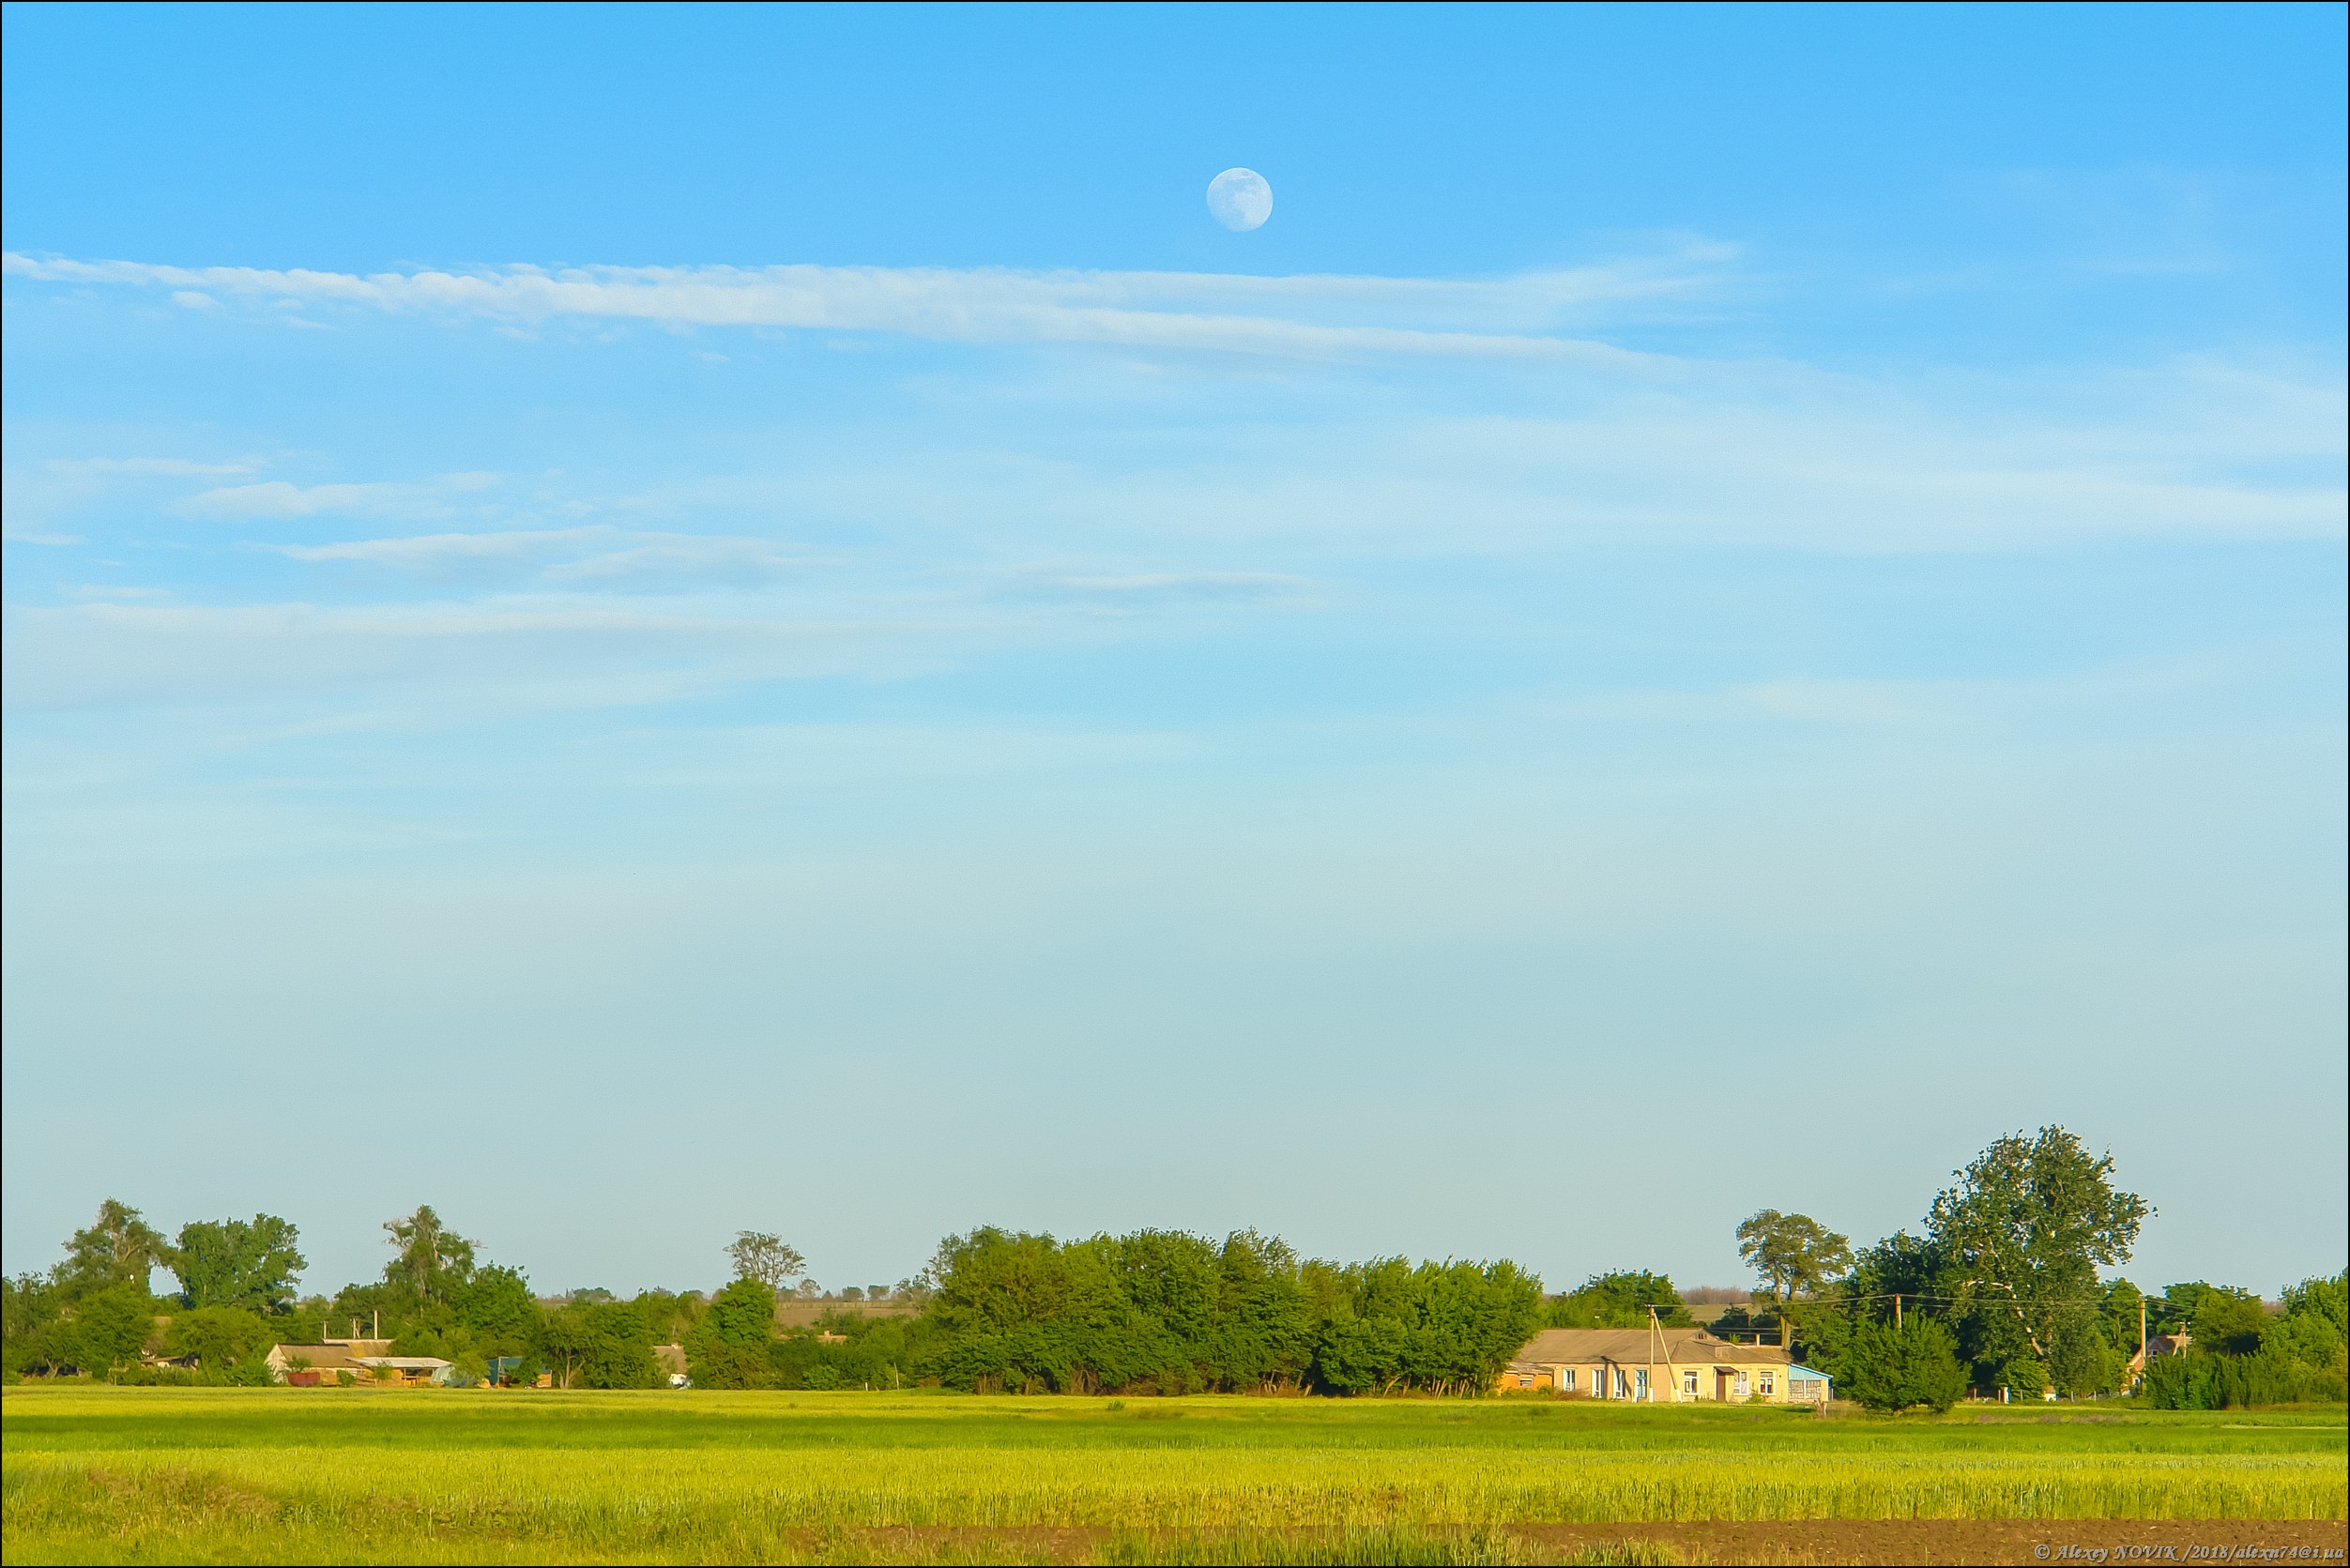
1660 1367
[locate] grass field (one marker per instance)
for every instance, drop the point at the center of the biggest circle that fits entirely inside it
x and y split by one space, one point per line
95 1475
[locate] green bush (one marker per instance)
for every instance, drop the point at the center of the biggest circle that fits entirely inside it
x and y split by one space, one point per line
2200 1380
1911 1368
2243 1357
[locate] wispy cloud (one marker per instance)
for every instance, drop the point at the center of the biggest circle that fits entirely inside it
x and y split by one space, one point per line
174 467
675 557
1078 500
427 552
277 499
1129 593
569 652
599 555
38 496
1528 317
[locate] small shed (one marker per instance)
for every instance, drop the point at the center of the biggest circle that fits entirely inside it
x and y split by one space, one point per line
317 1363
411 1371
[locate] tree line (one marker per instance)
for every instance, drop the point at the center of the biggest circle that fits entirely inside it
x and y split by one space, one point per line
1157 1311
2007 1288
1154 1311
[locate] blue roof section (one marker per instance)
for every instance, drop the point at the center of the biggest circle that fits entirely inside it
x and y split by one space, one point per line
1797 1370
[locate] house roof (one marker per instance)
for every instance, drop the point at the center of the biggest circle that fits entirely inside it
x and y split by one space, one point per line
1642 1346
403 1363
322 1358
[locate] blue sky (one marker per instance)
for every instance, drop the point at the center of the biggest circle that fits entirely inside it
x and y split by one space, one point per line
641 622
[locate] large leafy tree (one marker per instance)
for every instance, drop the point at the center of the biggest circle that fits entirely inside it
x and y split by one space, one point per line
1792 1252
112 1326
117 1248
1620 1300
597 1345
28 1308
2021 1235
497 1304
431 1262
233 1263
2229 1322
224 1339
1266 1323
729 1347
766 1258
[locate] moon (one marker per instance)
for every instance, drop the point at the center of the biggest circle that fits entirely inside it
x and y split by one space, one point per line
1240 199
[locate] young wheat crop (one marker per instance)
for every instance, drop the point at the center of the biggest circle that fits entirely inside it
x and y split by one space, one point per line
261 1476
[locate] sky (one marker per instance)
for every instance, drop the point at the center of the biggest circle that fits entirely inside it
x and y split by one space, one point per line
643 623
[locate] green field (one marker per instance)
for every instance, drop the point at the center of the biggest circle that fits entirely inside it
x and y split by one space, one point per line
98 1474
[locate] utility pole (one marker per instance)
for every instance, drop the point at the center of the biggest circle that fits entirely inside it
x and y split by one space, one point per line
1897 1315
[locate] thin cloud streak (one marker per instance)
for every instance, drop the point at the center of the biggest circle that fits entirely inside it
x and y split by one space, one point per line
596 554
1491 320
278 499
433 550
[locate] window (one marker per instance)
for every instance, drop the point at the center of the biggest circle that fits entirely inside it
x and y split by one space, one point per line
1640 1382
1566 1380
1738 1386
1688 1384
1525 1383
1619 1382
1770 1387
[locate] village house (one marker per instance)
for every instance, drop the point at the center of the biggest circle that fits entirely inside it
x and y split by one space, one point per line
2134 1375
1660 1366
311 1365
